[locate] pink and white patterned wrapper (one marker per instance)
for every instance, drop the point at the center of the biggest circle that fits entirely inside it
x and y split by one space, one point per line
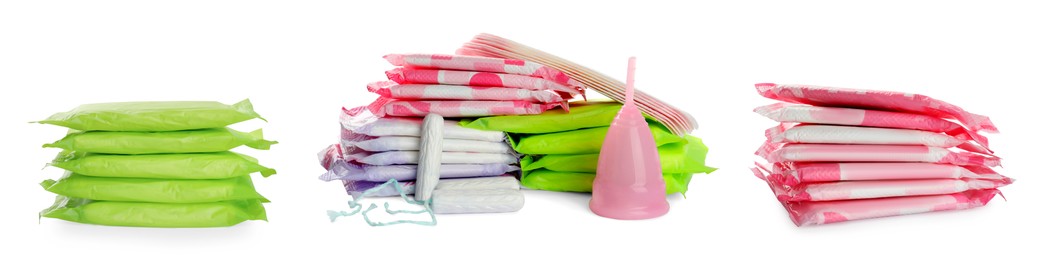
826 212
850 190
482 64
832 134
391 89
789 173
473 78
454 108
774 153
341 169
873 99
791 113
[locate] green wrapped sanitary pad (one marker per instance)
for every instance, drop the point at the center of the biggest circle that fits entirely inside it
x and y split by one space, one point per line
154 190
143 214
680 157
153 116
219 165
543 179
188 141
582 115
584 141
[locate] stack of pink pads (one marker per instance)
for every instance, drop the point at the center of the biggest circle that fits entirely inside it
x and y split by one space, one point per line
847 154
380 142
469 86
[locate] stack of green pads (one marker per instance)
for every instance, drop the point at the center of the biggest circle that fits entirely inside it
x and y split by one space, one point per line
156 164
561 149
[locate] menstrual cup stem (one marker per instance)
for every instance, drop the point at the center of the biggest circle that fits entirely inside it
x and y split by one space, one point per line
630 83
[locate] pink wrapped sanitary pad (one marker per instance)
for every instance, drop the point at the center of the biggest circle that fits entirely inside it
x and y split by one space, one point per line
830 134
789 173
472 78
870 153
483 64
850 190
391 89
449 108
873 99
825 212
790 113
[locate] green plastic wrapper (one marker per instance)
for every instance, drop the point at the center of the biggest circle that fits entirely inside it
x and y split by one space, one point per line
218 165
680 157
543 179
165 215
187 141
584 141
153 116
154 190
582 115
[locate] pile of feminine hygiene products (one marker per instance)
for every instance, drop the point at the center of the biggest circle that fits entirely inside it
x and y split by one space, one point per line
847 154
560 150
156 164
382 141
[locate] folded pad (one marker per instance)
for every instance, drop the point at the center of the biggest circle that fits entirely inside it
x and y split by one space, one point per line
219 165
142 214
543 179
582 141
188 141
154 190
153 116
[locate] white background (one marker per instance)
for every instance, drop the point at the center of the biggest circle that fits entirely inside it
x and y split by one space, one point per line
300 62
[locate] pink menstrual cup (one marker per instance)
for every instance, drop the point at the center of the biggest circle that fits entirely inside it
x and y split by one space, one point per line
628 183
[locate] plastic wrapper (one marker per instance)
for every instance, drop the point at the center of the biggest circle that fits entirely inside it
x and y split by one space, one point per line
581 115
339 169
826 212
411 143
474 78
153 190
830 134
219 165
455 108
796 173
677 157
477 201
153 116
850 190
393 90
483 64
359 121
874 99
582 141
791 113
412 157
870 153
542 179
167 215
188 141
